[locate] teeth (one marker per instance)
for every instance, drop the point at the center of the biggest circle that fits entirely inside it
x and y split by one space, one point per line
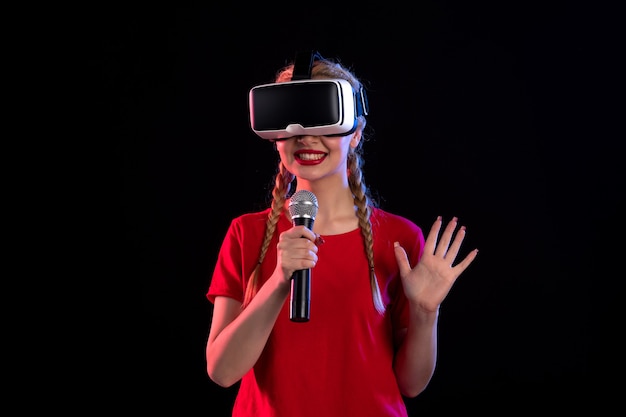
310 156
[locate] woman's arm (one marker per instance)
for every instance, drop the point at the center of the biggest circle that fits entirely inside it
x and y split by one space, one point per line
238 336
416 356
425 287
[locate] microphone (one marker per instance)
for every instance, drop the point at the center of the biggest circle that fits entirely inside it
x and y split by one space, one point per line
303 209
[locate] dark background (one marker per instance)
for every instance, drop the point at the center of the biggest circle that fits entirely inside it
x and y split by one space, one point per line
497 112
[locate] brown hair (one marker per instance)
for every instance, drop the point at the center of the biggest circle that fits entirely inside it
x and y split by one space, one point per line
324 68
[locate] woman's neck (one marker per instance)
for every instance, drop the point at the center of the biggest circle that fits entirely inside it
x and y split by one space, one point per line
336 212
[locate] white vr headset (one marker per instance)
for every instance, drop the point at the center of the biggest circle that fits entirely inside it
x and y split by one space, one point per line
317 107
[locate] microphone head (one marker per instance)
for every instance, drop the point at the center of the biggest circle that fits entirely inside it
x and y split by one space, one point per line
303 203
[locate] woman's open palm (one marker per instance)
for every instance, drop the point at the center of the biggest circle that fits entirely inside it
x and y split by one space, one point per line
428 283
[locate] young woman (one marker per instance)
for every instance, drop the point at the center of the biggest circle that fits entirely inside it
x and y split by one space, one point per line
376 286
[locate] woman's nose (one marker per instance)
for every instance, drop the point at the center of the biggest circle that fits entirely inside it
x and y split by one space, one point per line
303 138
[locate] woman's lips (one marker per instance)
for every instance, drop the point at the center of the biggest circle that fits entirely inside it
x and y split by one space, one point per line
309 157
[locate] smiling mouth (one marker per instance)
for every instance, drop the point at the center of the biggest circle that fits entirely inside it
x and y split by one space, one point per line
310 156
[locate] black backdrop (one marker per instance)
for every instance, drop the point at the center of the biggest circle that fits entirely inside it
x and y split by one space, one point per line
496 112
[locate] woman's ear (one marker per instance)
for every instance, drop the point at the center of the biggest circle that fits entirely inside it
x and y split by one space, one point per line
356 138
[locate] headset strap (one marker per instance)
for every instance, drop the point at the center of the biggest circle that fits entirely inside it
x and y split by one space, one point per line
303 64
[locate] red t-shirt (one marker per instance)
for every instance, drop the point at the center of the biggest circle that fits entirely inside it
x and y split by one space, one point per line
339 363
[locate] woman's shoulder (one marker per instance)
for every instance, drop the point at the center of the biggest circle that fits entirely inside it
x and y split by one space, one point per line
388 219
391 227
251 218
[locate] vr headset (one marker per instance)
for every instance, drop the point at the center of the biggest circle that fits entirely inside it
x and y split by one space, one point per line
303 106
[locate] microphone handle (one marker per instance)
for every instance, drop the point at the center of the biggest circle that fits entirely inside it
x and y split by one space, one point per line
300 308
300 304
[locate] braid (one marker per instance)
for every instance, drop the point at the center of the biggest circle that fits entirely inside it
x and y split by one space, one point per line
364 204
280 192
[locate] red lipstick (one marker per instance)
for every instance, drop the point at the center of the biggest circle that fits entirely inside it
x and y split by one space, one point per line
309 157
